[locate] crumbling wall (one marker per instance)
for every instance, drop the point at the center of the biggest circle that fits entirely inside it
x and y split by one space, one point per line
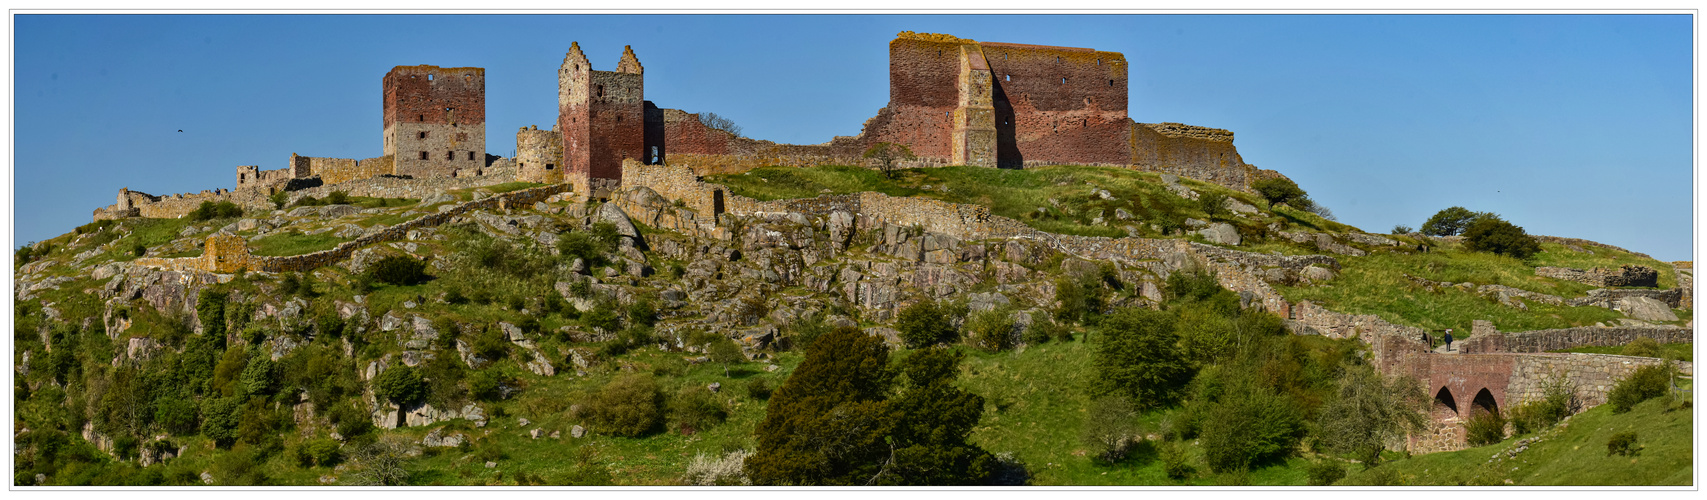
539 155
1202 153
435 120
252 177
1489 339
341 170
1625 275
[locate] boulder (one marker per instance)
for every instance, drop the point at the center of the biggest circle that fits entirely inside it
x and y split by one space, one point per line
339 210
1220 233
577 431
613 214
1645 309
1317 273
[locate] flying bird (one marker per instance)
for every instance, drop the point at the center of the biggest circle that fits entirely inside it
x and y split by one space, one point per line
180 130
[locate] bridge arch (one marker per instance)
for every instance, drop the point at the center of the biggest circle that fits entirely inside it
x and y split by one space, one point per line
1445 406
1485 401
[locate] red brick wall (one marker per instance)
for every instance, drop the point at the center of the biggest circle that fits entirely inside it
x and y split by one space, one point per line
411 97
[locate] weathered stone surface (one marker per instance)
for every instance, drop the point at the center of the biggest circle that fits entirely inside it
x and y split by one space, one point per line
1317 273
1220 233
1645 309
613 214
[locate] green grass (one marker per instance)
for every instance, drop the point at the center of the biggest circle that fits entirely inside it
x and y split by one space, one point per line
1376 284
1573 456
512 186
388 219
1683 351
1065 194
366 202
1554 254
293 243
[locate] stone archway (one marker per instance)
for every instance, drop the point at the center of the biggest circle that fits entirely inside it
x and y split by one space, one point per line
1485 401
1445 406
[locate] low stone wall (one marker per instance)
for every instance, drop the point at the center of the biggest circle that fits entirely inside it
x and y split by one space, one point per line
1594 375
1489 340
1608 297
398 187
1625 275
227 253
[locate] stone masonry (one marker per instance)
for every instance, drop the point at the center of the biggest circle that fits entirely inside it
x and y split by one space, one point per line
435 120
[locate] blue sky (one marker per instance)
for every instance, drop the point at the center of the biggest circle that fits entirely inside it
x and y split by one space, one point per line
1568 125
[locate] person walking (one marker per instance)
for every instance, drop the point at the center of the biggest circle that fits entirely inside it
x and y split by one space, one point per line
1448 339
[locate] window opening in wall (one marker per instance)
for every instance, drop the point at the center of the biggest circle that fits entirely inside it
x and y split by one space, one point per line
471 155
1008 78
549 166
1057 59
1099 62
1111 83
654 155
619 118
429 78
420 118
421 135
450 155
601 91
423 155
1063 80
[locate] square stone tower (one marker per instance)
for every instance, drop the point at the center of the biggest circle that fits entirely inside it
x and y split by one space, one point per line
602 116
435 120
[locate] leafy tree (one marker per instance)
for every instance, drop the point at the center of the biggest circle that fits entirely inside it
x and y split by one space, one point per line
400 384
694 409
259 377
338 198
1280 190
1397 229
210 308
717 122
1140 358
933 420
991 330
209 210
1491 234
924 324
886 154
826 424
384 462
1249 424
1450 221
724 351
220 417
642 312
1369 411
1645 383
1213 204
279 199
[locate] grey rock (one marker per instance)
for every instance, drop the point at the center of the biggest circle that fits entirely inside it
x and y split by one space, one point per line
304 211
339 210
714 387
207 478
513 332
1316 273
1645 309
609 212
1240 207
1122 214
1190 222
577 431
491 464
1221 233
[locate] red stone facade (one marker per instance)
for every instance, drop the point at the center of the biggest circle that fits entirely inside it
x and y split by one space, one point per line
435 120
602 116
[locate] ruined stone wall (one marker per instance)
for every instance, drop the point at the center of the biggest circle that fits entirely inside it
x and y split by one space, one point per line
252 177
1491 340
417 188
1625 275
435 119
341 170
539 155
139 204
1608 297
1202 153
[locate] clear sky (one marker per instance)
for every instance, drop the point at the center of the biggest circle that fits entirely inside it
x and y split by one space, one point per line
1568 125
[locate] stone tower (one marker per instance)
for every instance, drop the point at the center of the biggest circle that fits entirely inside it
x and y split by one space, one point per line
601 115
539 155
435 120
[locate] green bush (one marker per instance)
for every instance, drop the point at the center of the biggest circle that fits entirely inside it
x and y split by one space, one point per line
1642 346
1484 427
1279 190
641 312
1325 473
1213 204
210 210
924 324
400 384
210 309
695 409
1111 427
759 389
338 198
279 199
602 317
1402 229
399 270
1559 400
220 418
630 405
1176 461
139 250
1645 383
1493 235
1248 426
991 330
486 385
1623 443
1140 358
1450 221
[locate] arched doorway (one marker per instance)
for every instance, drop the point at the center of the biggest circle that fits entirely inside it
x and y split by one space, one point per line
1445 406
1484 401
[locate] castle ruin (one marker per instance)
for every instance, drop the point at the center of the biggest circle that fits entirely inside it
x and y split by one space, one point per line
952 101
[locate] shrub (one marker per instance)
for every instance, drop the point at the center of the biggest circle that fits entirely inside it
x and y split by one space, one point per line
1623 443
1645 383
491 344
712 471
602 317
924 324
887 154
759 389
1248 426
1491 234
641 312
631 405
398 270
338 198
279 199
1176 461
991 330
210 210
1325 473
1642 346
1213 204
1278 190
1111 427
139 250
210 308
1484 427
401 385
486 385
1140 358
695 409
219 419
1559 400
1400 229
